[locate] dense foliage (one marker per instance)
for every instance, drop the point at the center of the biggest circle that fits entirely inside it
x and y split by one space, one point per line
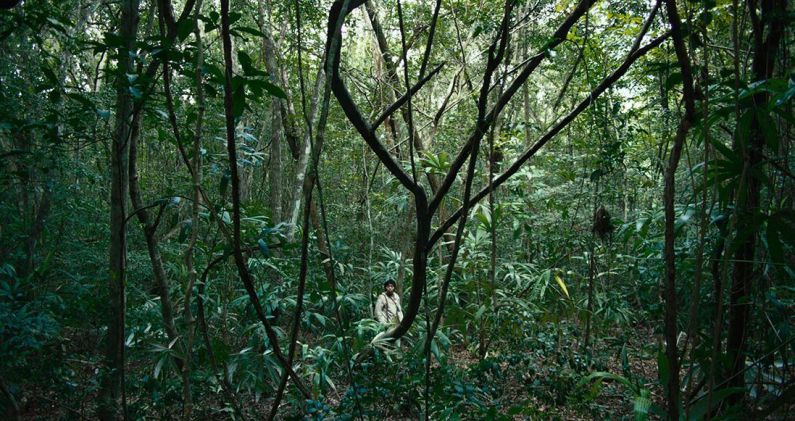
201 201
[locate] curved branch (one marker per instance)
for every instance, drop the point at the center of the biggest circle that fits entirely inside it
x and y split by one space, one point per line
558 37
240 260
339 10
606 83
402 100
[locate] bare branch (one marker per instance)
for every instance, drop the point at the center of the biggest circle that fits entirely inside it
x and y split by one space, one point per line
339 10
482 127
402 100
606 83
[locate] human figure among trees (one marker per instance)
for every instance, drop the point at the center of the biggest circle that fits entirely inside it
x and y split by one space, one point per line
387 307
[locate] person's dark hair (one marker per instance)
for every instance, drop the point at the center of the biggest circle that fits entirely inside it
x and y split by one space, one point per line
390 281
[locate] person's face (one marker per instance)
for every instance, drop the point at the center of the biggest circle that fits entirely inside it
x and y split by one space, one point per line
389 289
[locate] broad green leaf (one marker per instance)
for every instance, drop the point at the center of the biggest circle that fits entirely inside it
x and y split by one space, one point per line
662 368
250 31
601 375
159 365
743 129
113 40
725 151
768 127
238 101
184 28
699 409
784 97
268 87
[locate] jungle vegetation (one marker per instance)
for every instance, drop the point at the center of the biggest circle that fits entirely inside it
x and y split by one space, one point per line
587 208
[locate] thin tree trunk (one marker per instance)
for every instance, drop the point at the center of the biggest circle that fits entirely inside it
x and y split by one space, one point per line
303 159
111 401
669 195
281 125
315 146
772 21
150 235
589 311
393 80
240 260
190 322
703 217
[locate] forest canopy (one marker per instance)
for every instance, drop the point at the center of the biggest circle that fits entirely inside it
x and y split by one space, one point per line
585 209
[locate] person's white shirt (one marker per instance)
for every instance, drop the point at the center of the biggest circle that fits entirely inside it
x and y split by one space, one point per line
387 308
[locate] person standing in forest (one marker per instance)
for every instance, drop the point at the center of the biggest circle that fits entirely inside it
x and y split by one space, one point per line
387 307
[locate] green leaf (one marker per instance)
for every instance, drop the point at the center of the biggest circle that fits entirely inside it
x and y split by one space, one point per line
768 127
484 219
662 368
184 28
238 101
562 285
743 130
160 363
435 350
699 409
50 75
263 248
725 151
245 62
784 97
135 92
641 405
250 31
269 87
113 40
673 80
479 313
601 375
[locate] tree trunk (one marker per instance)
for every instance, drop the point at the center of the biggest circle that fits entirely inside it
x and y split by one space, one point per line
190 322
771 21
240 259
149 227
111 400
669 194
303 159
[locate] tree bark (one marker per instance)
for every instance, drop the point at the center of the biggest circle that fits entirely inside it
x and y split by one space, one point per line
303 160
669 194
150 235
772 21
111 400
190 322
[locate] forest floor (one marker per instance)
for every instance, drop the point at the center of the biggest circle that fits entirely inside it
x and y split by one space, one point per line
536 381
